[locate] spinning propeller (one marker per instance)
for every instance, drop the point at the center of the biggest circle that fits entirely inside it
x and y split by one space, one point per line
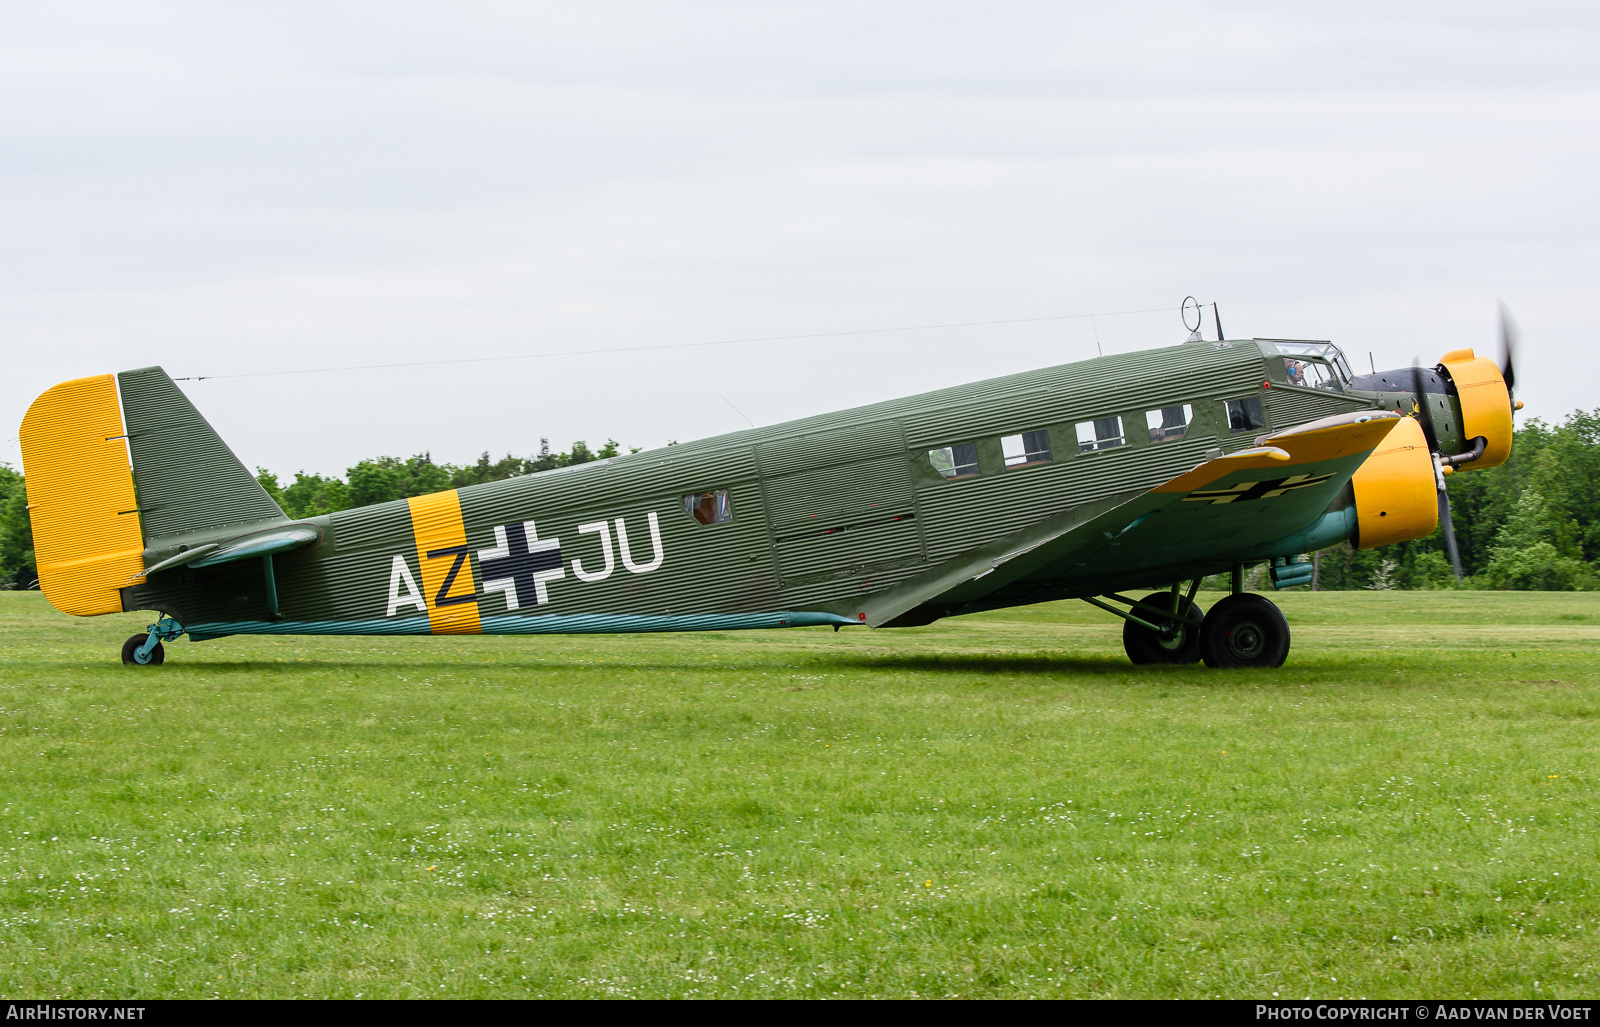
1510 346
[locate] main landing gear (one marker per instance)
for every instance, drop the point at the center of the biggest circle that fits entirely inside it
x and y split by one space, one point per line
1242 630
145 649
1174 638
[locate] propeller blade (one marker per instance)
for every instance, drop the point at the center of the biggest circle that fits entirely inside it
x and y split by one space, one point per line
1510 344
1449 533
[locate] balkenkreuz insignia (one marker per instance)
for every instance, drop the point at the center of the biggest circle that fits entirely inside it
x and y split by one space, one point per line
1247 490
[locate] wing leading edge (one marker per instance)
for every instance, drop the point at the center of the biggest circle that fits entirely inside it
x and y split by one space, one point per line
1245 505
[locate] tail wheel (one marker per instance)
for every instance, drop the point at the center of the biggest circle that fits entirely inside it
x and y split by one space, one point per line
1145 646
130 652
1244 630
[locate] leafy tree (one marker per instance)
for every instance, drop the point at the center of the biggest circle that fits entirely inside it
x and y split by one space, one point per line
1528 552
16 533
311 495
386 478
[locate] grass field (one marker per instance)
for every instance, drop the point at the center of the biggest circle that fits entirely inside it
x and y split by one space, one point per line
998 805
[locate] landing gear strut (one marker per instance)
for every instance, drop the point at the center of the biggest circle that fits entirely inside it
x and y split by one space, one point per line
1178 643
1163 627
145 649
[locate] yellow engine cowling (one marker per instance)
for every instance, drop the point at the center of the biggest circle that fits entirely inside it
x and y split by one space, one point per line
1397 496
1485 405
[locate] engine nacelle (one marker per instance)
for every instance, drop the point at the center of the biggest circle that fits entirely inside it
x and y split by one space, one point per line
1397 494
1485 405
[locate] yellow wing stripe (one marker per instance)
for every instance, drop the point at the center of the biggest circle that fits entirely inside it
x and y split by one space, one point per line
1308 444
437 527
86 535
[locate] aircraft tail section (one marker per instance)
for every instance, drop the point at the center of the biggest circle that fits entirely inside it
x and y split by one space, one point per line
115 464
186 477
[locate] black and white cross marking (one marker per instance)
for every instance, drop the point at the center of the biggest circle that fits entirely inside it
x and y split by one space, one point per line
1248 490
520 564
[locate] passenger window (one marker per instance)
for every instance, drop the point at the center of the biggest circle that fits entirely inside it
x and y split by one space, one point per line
1245 415
1100 433
1169 422
1031 447
957 461
709 507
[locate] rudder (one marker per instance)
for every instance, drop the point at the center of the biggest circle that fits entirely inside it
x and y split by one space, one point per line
86 538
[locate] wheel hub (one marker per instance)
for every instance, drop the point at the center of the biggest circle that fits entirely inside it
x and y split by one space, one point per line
1247 640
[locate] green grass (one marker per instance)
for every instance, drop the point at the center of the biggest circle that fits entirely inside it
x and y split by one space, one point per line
998 805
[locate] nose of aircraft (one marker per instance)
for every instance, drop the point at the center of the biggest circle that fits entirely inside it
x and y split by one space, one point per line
1486 405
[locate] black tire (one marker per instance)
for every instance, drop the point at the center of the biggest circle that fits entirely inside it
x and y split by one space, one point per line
1145 646
1244 630
130 652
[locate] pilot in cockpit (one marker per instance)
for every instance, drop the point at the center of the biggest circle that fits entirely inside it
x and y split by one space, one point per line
1297 371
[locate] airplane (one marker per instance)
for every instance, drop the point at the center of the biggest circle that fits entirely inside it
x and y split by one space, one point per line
1135 471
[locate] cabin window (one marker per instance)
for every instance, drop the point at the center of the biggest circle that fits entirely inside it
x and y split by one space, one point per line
957 461
1245 415
709 507
1169 422
1100 433
1031 447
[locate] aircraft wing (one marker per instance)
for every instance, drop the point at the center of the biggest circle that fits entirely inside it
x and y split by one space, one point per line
1272 496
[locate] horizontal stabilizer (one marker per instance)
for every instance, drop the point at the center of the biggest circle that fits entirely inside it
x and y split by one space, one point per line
262 543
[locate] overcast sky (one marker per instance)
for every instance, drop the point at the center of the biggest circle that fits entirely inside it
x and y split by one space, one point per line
224 188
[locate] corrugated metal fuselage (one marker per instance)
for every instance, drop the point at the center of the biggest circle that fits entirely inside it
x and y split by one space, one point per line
826 512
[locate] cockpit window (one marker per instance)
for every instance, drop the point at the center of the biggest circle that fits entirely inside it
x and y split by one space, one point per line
1100 433
957 461
1169 422
1245 415
1313 374
709 507
1316 365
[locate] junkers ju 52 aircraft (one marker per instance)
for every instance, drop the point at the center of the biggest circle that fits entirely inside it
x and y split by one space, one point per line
1130 472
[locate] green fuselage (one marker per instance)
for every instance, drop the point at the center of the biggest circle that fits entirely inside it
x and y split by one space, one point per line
819 516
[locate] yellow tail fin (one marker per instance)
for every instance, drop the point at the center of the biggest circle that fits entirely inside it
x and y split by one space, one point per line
86 536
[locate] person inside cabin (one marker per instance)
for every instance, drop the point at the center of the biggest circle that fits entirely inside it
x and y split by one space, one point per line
1297 372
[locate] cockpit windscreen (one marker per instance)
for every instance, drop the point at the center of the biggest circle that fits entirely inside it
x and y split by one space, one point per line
1314 365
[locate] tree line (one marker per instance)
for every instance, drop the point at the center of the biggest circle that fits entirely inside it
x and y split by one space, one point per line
1531 524
387 478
